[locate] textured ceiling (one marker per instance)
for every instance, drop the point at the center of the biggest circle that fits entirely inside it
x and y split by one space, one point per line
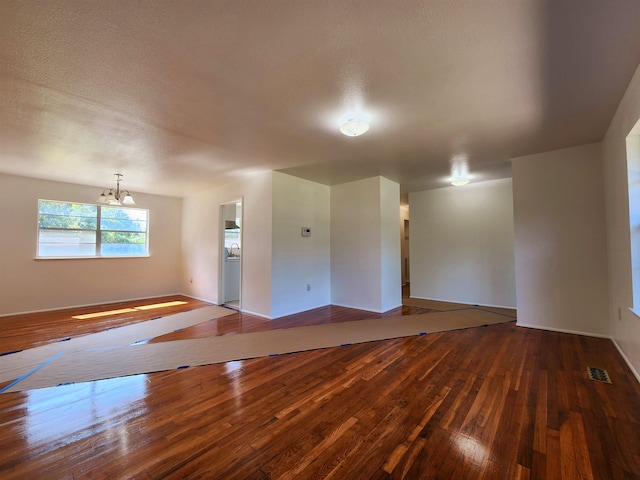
184 95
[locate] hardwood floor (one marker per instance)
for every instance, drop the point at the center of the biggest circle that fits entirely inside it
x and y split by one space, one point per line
497 402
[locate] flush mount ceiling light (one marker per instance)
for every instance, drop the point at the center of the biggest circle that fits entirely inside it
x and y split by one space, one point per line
354 127
460 170
458 182
111 196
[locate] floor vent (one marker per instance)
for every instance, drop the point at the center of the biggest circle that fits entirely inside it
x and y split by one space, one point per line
598 374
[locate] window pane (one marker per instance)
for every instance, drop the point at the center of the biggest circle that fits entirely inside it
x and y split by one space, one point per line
116 249
127 213
66 208
124 219
67 236
123 231
123 224
66 243
66 250
59 221
123 237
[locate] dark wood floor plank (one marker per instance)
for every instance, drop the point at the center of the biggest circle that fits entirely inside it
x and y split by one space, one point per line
39 328
494 402
526 437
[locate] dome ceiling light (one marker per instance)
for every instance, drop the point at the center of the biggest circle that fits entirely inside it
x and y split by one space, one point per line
354 127
458 182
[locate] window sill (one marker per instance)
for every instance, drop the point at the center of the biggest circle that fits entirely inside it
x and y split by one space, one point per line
635 312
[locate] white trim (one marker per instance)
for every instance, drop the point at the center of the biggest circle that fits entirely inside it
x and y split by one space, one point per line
249 312
302 311
635 312
626 359
597 335
360 308
392 308
464 303
313 308
355 308
108 302
199 298
562 330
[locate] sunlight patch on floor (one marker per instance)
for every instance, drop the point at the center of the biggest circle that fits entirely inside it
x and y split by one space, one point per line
161 305
105 313
125 310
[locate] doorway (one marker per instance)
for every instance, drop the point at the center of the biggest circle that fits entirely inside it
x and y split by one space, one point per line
231 254
404 250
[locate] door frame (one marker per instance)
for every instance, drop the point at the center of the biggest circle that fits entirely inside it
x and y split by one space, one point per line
222 251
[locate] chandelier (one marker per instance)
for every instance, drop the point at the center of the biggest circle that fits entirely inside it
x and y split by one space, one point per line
115 196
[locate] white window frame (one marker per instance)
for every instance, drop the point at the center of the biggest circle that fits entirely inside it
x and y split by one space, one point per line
633 177
98 250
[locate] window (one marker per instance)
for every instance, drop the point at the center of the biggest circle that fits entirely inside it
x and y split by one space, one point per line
633 174
73 230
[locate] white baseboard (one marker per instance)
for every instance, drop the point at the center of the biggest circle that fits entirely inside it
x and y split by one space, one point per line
137 299
464 303
562 330
587 334
397 306
255 314
355 308
241 310
202 299
626 359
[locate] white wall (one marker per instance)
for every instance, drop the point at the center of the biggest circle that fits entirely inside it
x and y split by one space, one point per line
297 260
363 254
355 244
390 259
201 242
27 284
626 328
462 245
561 264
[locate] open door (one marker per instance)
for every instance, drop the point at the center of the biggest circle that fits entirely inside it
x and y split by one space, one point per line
231 254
